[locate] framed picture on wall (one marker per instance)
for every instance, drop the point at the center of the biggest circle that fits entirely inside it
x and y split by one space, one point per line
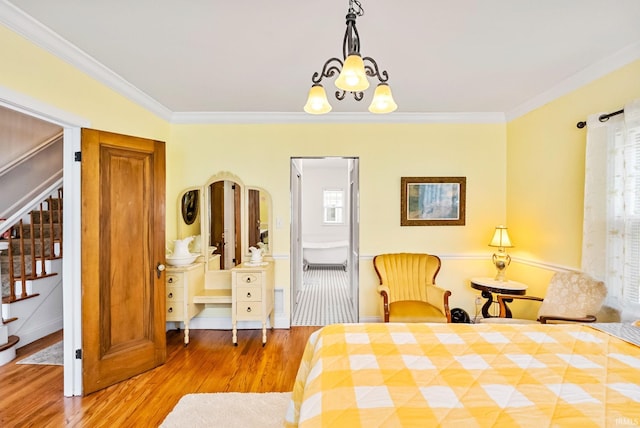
433 201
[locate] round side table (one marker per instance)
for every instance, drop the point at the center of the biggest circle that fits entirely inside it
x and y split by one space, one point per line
488 286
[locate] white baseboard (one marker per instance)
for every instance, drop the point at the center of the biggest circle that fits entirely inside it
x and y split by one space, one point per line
370 319
42 330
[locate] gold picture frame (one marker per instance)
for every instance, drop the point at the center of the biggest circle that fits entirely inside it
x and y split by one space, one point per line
433 201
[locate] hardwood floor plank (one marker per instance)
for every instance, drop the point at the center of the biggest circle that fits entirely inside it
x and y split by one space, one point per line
32 395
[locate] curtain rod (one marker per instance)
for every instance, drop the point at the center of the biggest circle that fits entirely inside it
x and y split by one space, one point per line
602 118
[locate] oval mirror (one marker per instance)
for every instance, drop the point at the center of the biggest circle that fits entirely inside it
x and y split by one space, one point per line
190 206
190 219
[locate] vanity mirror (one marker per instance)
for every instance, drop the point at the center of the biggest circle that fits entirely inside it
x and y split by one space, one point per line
226 219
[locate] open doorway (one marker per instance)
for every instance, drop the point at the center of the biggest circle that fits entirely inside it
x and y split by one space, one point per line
324 241
71 262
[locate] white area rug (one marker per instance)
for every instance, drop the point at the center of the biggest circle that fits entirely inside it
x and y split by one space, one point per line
229 410
48 356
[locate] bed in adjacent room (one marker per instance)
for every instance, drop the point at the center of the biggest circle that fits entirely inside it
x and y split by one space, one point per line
370 375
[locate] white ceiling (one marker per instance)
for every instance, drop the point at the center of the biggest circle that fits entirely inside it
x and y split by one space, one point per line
259 56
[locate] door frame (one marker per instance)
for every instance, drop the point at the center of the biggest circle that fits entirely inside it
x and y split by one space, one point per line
71 262
353 205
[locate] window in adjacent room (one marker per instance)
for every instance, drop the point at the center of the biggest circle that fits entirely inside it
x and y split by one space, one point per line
333 205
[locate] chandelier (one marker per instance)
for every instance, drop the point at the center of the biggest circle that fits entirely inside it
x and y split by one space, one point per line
353 73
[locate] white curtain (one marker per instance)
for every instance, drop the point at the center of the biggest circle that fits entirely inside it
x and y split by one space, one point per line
611 230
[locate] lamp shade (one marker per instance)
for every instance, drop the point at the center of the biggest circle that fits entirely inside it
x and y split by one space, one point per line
382 101
317 102
352 78
500 238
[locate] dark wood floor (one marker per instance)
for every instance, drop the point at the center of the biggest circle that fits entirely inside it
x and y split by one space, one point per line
32 395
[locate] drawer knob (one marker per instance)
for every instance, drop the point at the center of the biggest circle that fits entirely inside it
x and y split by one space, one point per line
248 295
249 309
170 280
170 295
170 310
248 279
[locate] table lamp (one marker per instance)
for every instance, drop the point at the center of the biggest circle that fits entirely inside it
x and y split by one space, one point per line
500 258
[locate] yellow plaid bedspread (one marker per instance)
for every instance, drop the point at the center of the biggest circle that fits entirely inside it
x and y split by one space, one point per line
461 375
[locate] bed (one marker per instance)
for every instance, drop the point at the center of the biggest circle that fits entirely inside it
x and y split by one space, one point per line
469 375
332 253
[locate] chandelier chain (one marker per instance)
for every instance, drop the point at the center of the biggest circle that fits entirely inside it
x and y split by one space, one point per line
359 11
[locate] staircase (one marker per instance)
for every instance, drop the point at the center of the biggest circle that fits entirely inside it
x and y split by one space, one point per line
30 273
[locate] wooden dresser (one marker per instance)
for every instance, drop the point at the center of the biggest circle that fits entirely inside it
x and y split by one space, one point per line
183 283
252 295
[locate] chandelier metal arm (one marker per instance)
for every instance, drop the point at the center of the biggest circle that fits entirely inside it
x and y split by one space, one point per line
358 96
328 70
372 70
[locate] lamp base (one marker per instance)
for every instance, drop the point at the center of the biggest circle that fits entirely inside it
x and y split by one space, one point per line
501 260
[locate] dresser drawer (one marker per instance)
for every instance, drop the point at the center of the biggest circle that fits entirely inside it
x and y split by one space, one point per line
174 294
174 311
245 278
249 294
174 279
248 310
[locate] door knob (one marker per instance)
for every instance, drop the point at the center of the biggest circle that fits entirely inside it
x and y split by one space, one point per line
159 268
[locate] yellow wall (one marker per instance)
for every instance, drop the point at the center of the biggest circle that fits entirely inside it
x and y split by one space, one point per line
545 172
29 70
540 155
260 155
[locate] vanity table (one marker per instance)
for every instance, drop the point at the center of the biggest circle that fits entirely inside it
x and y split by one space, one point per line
183 283
222 220
252 295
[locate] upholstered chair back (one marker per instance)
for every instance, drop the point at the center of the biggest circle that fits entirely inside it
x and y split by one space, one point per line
407 275
574 295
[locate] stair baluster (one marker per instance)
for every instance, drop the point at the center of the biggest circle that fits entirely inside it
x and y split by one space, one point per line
43 269
60 220
12 290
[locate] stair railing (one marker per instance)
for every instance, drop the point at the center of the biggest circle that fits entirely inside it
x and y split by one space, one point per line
17 232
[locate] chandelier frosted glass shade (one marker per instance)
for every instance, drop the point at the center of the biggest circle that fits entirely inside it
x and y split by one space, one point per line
317 102
382 100
352 78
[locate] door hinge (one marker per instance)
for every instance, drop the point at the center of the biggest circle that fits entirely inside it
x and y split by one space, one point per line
77 156
78 354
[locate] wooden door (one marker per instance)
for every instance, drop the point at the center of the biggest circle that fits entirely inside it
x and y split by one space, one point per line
123 241
217 220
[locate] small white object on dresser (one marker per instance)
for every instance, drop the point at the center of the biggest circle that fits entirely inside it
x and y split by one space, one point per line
252 296
182 284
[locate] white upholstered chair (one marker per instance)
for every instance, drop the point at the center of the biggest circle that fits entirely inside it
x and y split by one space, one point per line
570 297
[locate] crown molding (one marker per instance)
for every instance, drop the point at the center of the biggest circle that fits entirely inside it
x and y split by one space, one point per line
587 75
40 35
333 118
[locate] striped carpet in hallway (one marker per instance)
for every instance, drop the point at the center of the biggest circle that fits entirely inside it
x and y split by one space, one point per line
324 298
